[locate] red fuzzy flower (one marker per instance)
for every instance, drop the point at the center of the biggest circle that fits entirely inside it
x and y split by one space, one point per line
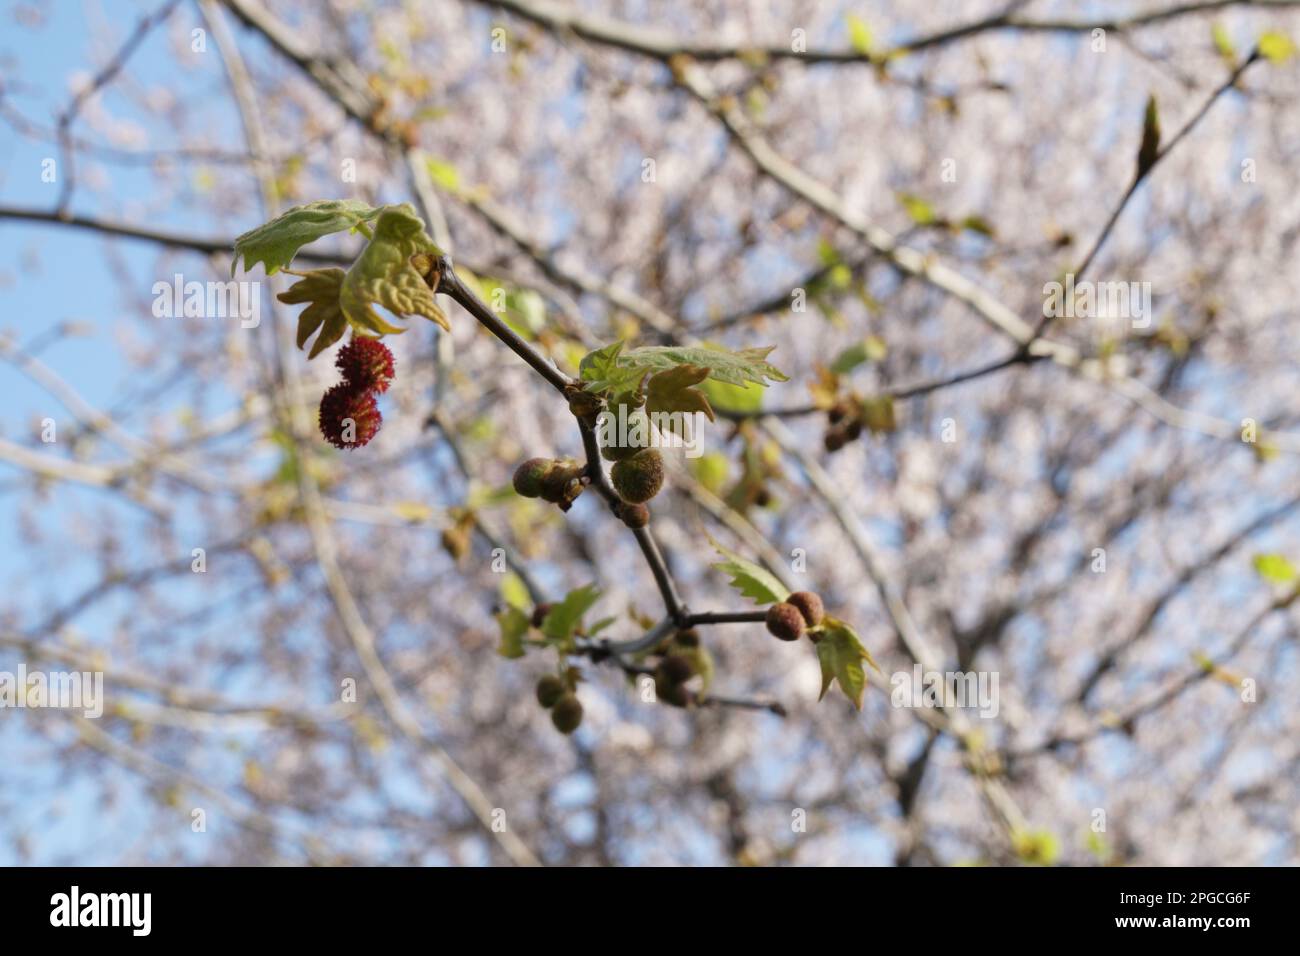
349 416
366 363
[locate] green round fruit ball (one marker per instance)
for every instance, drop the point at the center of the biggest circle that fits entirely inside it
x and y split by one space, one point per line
566 715
530 475
549 691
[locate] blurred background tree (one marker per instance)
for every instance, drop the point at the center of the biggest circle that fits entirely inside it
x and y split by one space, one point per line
1101 515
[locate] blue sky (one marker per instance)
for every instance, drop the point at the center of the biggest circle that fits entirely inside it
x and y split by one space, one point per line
48 275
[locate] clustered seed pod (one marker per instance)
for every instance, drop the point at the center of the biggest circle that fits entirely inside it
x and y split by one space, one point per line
556 695
639 478
349 414
809 605
557 481
785 621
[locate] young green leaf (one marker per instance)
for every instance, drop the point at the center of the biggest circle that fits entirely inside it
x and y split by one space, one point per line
732 398
870 349
978 224
922 212
275 243
1275 568
563 619
749 579
514 625
859 33
1223 43
514 592
608 369
1276 47
384 274
443 173
601 364
841 654
670 391
320 289
1040 847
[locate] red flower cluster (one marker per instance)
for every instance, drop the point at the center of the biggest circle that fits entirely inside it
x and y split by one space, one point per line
366 363
349 414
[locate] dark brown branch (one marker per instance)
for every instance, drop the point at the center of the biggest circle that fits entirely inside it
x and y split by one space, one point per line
725 617
449 284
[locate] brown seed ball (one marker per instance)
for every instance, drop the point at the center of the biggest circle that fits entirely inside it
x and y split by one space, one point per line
566 715
550 689
530 476
785 622
809 605
635 516
674 669
639 478
834 440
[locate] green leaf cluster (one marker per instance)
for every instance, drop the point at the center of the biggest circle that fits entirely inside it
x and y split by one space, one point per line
395 270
